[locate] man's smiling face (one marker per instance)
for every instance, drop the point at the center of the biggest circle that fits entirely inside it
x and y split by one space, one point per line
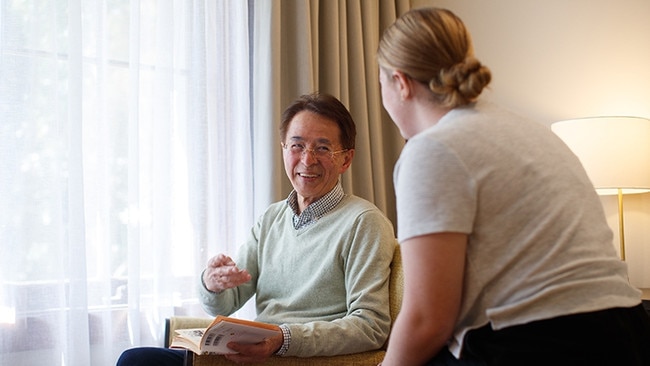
312 177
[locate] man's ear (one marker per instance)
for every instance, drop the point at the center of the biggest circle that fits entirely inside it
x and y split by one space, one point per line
348 155
404 84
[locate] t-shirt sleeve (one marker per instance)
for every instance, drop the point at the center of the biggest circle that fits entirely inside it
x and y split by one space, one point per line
435 192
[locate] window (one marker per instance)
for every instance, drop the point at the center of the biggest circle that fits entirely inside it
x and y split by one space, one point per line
124 142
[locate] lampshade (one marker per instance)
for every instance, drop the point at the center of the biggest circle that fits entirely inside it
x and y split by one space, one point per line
615 151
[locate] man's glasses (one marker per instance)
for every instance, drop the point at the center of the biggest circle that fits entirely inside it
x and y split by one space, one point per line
319 152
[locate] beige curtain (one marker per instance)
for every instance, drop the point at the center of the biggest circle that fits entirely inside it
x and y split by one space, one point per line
307 45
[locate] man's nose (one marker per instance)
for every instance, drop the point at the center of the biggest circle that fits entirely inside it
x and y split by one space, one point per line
308 156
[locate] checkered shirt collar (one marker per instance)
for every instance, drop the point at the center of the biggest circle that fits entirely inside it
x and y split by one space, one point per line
316 209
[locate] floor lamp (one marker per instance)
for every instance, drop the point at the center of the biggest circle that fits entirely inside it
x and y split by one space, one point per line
615 152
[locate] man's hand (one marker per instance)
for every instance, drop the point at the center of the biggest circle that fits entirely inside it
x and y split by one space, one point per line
255 353
222 274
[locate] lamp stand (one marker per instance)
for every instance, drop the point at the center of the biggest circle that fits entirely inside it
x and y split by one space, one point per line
621 230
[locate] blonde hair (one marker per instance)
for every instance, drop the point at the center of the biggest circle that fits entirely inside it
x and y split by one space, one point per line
433 47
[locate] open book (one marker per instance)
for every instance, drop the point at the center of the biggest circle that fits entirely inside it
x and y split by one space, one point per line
220 332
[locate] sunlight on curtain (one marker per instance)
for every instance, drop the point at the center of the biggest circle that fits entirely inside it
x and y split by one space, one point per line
125 164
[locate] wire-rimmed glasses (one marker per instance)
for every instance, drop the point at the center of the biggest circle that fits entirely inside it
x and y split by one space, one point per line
319 152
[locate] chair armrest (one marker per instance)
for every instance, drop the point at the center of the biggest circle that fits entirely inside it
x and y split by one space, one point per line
370 358
183 322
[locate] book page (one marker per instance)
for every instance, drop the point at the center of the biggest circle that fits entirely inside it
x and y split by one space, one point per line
220 334
188 339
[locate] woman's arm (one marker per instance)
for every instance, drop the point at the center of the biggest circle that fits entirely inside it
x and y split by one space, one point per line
434 267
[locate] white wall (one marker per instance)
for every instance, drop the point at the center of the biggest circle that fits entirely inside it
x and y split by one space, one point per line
559 59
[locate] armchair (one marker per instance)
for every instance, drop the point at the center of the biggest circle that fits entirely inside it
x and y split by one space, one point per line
358 359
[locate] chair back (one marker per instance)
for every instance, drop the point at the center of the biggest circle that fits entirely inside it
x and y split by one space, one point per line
396 284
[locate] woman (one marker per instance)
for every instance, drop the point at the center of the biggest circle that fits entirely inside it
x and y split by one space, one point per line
507 255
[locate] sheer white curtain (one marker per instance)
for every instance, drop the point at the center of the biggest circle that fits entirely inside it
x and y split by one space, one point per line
125 162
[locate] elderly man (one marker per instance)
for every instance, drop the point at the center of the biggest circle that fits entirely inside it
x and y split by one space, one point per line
317 262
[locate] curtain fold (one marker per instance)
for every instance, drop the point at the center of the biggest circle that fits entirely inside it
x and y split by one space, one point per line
266 69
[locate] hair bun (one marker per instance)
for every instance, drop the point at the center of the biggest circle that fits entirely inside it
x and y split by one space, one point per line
461 83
